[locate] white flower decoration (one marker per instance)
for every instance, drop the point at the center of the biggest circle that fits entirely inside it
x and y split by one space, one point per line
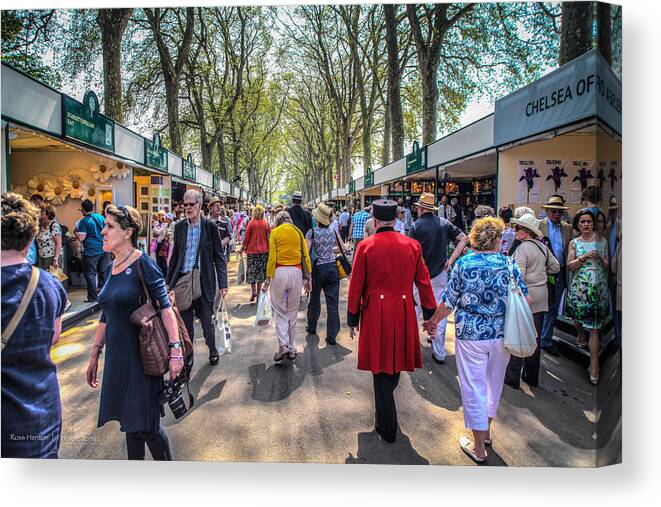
90 191
120 170
101 172
55 192
37 184
20 189
73 185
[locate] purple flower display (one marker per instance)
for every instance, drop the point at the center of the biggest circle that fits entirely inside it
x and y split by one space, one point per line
583 176
557 173
613 178
529 174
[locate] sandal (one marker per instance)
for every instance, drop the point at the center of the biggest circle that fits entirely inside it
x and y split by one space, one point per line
465 444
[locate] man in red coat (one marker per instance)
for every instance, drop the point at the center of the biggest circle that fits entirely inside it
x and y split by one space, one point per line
384 269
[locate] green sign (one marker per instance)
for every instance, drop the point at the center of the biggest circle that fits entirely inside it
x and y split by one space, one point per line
417 159
85 122
352 186
189 170
216 181
369 180
155 156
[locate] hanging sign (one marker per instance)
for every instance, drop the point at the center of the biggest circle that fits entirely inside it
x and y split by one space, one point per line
352 186
155 156
369 180
556 178
84 122
417 159
189 169
529 182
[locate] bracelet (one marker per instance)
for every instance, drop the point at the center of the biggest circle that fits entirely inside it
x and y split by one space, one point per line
176 358
100 347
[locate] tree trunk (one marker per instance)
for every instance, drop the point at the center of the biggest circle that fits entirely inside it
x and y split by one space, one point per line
113 23
172 101
385 156
429 103
222 162
394 84
604 31
575 30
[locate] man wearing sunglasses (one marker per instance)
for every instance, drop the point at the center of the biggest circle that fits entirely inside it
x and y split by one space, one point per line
197 246
559 235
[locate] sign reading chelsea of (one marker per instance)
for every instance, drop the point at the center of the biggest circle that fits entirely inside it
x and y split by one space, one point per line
155 156
417 159
84 122
189 168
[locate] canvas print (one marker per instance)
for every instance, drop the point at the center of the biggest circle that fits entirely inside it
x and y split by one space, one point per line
350 234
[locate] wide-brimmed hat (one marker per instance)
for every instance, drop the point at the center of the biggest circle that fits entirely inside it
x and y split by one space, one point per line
482 210
612 203
427 201
213 201
529 222
322 214
555 202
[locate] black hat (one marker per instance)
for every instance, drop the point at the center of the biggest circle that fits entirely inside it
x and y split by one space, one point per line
87 206
384 210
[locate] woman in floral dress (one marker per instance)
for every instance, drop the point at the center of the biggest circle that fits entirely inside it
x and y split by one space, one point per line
587 298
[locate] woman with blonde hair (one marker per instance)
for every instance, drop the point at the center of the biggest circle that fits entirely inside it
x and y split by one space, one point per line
256 245
288 266
477 293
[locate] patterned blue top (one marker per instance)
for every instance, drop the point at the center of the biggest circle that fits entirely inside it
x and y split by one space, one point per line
477 291
192 243
359 220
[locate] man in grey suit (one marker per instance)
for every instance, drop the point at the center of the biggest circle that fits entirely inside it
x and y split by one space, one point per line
559 234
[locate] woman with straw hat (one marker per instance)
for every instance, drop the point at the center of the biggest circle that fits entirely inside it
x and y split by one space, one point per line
535 262
324 241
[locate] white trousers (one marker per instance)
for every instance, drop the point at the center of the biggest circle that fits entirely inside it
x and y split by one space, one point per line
438 285
481 365
285 291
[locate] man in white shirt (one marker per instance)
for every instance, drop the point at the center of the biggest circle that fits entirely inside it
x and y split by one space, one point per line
344 224
445 210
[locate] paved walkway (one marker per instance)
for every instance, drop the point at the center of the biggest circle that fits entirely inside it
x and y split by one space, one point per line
320 409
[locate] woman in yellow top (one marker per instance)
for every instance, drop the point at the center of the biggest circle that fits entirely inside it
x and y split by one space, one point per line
287 271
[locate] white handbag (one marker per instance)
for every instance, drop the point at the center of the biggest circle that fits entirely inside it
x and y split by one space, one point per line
520 333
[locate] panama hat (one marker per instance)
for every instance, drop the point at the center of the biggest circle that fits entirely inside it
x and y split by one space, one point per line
427 201
612 203
555 202
213 201
483 210
322 214
529 222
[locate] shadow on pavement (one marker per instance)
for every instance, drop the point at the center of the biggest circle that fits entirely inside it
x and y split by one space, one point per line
441 387
244 310
373 450
212 394
278 381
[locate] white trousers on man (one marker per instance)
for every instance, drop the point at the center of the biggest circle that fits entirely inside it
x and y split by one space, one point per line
481 365
438 285
285 291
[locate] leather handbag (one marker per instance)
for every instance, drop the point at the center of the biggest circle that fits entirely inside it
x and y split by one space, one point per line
341 261
189 287
153 337
520 333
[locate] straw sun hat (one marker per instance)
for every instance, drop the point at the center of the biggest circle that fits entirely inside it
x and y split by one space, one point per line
529 222
427 201
322 214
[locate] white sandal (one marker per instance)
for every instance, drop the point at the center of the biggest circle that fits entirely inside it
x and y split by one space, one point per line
465 444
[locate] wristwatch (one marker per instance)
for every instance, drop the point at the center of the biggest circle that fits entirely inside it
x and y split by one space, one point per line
175 345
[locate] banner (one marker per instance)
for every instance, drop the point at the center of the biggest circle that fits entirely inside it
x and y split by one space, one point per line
529 182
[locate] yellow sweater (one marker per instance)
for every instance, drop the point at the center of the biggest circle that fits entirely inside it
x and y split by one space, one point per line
285 248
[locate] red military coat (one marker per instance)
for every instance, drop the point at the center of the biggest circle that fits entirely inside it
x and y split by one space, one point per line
384 269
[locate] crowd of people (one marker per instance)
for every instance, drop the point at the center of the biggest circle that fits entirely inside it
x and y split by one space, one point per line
409 269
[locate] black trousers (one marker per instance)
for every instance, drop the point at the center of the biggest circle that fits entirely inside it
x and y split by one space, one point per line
344 232
158 443
530 364
203 310
384 402
326 278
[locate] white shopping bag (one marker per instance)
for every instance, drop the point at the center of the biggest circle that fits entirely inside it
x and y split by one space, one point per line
263 316
222 327
241 271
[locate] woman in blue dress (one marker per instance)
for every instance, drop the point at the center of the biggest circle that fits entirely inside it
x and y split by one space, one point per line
31 410
127 394
477 292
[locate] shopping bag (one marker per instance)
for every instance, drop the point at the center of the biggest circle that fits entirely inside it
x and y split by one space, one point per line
520 333
221 325
241 271
263 317
57 273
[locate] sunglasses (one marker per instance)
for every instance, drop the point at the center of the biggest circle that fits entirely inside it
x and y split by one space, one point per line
555 211
189 204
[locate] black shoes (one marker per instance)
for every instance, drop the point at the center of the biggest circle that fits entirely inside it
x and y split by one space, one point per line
513 385
437 360
213 360
330 342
